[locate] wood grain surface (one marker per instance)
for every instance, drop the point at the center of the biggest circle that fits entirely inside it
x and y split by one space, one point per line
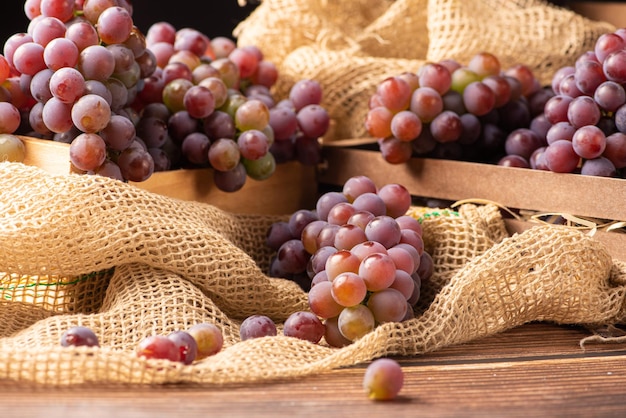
535 370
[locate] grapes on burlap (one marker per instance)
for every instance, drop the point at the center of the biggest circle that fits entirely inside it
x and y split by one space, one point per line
128 263
350 47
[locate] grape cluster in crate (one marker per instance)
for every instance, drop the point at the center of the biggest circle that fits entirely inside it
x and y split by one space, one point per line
481 112
130 104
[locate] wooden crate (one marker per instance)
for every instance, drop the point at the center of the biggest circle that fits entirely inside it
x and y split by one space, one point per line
293 186
515 188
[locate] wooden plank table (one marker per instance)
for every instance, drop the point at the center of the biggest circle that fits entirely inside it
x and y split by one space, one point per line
534 370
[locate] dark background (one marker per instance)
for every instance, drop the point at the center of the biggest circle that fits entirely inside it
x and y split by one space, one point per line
214 17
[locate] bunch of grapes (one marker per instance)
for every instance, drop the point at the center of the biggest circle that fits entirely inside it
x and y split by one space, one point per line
131 104
358 254
454 111
586 118
212 104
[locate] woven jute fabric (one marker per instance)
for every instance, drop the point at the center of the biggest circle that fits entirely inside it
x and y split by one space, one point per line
128 263
350 47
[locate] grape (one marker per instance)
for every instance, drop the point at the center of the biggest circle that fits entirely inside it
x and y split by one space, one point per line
615 149
307 150
63 10
387 305
79 336
114 25
292 257
299 220
514 160
341 261
556 108
136 164
484 64
313 120
28 58
383 379
57 115
46 28
195 148
91 113
10 118
199 101
478 98
83 34
560 156
261 168
436 76
383 229
253 144
610 95
11 148
320 257
321 300
348 289
446 127
560 130
59 53
583 110
426 103
378 121
568 86
67 84
326 235
397 199
378 271
326 201
257 326
426 266
283 122
589 75
305 326
180 124
613 68
599 166
500 87
356 321
158 347
370 202
367 248
462 77
589 141
246 61
395 151
606 44
119 133
87 151
332 335
406 125
356 186
208 337
522 142
403 283
186 344
305 92
277 234
403 259
252 115
96 62
152 130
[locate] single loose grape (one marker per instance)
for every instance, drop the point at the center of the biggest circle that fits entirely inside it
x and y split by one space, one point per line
383 379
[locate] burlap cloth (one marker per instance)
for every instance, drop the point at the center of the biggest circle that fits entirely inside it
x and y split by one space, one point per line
351 46
128 263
